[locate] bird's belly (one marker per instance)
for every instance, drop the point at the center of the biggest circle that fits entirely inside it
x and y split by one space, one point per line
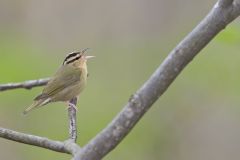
69 92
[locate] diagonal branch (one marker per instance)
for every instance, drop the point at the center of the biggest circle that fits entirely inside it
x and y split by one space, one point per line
158 83
26 85
224 3
64 147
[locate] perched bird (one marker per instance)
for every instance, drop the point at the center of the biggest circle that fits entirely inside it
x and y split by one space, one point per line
67 83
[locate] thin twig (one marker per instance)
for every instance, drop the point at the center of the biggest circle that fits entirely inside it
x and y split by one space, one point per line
158 83
26 85
72 120
64 147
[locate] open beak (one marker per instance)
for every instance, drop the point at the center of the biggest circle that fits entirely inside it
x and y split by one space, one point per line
84 51
89 57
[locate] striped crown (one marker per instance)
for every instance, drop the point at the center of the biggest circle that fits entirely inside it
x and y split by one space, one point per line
74 56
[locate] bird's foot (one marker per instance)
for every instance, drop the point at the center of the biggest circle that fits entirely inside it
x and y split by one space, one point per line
70 105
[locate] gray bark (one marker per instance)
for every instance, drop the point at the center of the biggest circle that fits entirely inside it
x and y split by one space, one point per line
223 13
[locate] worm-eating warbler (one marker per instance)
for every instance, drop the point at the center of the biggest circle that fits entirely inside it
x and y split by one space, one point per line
67 83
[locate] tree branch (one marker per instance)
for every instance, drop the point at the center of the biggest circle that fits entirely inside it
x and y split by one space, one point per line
72 120
64 147
26 85
158 83
219 17
224 3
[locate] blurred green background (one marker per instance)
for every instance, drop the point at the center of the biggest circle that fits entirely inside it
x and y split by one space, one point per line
197 118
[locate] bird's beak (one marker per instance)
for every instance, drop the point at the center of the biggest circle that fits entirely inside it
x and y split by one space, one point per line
89 57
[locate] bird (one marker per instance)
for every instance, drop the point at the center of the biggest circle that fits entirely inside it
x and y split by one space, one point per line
67 83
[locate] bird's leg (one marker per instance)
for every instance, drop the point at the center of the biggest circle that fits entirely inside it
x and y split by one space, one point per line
71 105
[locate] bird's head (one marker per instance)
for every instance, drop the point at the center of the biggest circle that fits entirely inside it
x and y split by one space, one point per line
77 59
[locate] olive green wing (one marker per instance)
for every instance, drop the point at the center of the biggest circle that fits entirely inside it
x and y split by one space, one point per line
64 77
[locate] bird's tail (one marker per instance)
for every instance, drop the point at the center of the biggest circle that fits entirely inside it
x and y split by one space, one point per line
36 104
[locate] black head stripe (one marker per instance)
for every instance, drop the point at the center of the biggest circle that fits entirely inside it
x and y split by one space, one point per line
73 54
72 57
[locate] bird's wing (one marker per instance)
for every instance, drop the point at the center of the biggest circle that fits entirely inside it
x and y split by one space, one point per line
64 77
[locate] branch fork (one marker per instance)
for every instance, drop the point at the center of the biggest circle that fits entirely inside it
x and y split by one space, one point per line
223 13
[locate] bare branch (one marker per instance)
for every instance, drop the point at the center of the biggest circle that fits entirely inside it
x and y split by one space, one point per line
72 119
158 83
64 147
26 85
224 3
220 16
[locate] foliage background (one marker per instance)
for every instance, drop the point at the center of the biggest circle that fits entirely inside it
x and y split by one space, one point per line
197 118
